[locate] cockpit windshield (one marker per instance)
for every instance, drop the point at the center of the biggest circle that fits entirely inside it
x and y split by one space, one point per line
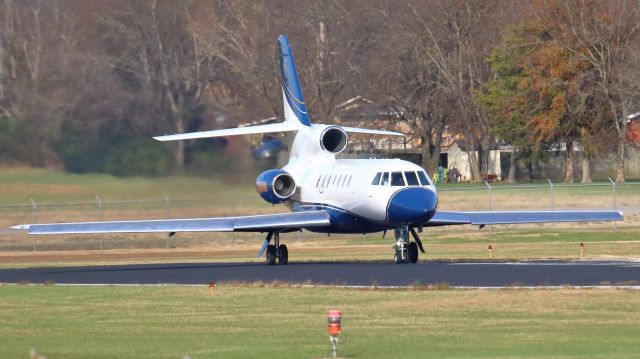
400 179
412 179
397 179
424 180
385 179
376 179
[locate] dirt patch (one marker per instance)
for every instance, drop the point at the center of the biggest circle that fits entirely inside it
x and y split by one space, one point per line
221 253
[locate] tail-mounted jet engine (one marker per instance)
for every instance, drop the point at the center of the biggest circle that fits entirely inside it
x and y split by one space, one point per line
334 139
275 186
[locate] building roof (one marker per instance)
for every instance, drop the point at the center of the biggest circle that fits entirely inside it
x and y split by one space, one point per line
360 108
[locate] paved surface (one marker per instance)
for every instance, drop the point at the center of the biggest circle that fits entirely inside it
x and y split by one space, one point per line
476 274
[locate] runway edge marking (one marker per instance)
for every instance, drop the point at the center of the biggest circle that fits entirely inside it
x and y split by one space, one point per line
389 287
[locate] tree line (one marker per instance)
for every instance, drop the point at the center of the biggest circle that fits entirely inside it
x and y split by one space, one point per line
84 84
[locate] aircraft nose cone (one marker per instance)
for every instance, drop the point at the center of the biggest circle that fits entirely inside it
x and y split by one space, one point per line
411 206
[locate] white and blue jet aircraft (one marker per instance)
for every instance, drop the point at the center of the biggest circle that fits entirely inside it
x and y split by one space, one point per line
329 195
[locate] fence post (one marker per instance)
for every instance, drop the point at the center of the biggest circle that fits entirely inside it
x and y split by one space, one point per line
101 215
490 202
614 194
167 206
34 211
232 205
167 214
490 199
34 220
551 190
100 208
551 193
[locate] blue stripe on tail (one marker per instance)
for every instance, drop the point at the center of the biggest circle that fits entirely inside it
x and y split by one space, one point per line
290 83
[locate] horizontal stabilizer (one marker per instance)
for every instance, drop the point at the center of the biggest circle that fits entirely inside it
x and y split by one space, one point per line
444 218
372 132
249 130
261 223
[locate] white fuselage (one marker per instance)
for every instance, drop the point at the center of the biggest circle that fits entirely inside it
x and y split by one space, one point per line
345 184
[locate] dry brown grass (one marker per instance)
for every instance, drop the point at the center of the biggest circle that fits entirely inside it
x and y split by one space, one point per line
245 250
539 198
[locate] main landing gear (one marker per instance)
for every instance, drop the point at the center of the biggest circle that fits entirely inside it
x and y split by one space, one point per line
405 251
276 251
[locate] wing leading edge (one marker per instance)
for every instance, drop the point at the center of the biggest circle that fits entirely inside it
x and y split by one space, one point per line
261 223
445 218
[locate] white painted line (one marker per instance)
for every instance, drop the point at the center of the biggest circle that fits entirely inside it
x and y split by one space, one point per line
388 287
553 264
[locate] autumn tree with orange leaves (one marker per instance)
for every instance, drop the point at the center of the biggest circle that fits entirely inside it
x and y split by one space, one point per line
605 36
543 93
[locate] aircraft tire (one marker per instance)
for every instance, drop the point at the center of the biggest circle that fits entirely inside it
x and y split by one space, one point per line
271 254
413 252
283 254
397 258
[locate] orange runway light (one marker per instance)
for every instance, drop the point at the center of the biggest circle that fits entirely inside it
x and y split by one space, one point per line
335 318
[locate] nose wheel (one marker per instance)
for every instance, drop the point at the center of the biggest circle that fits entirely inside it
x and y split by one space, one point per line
405 251
276 251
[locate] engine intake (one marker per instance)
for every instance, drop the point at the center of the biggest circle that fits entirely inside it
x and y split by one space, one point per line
334 139
275 186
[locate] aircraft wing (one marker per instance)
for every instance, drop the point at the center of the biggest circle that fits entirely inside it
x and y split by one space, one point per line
261 223
371 132
446 218
249 130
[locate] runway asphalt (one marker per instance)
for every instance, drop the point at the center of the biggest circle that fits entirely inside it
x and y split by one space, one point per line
466 274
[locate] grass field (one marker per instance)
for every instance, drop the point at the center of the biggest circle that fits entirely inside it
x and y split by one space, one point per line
277 321
46 185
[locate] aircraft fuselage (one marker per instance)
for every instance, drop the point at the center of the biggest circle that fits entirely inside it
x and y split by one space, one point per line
360 195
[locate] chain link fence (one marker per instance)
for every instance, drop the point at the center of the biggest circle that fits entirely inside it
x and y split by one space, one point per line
485 197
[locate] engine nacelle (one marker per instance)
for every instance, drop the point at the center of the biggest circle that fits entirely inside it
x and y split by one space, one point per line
334 139
275 186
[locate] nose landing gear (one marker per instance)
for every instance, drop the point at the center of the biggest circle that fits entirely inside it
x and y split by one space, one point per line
405 251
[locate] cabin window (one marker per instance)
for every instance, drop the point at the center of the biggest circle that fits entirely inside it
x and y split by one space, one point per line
318 183
376 179
349 181
424 180
324 181
335 178
397 179
412 179
385 179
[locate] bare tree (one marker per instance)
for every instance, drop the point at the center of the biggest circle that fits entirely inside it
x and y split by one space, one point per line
162 53
344 34
457 51
246 39
46 75
408 80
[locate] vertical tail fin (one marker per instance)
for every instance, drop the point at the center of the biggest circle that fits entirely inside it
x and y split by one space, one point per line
294 107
